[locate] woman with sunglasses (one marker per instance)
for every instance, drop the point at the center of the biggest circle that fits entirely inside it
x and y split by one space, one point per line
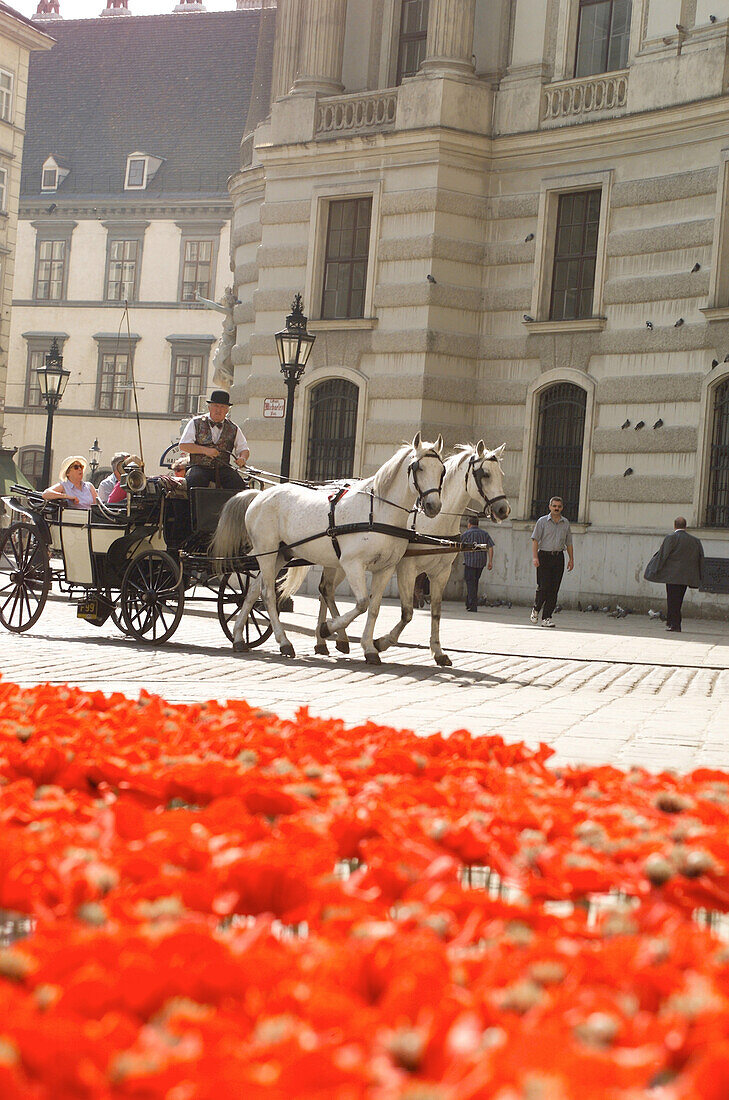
71 487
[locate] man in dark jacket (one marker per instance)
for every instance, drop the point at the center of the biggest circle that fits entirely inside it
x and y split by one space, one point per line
679 565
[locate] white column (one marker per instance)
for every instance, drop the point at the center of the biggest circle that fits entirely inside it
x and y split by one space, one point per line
450 37
286 48
320 61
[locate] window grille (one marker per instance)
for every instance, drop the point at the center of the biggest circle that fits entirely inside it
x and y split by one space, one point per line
50 270
3 189
413 37
49 179
558 457
114 381
30 462
197 269
6 96
36 359
345 263
122 277
332 430
187 383
603 36
575 255
717 507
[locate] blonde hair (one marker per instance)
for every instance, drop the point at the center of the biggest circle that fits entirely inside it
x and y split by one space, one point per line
63 474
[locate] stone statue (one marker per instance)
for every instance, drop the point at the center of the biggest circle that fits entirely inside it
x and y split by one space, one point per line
222 364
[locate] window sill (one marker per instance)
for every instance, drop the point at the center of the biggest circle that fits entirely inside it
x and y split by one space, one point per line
715 313
348 324
582 324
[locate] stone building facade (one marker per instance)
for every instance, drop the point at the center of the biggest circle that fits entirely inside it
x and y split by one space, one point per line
509 220
124 199
18 40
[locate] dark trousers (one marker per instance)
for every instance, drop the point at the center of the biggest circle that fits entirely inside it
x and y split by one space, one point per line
200 477
674 599
471 574
549 578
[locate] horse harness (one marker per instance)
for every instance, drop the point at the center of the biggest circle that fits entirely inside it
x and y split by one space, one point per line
478 477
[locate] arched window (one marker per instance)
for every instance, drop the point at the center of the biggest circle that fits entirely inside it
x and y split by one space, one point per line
717 504
30 463
332 429
558 457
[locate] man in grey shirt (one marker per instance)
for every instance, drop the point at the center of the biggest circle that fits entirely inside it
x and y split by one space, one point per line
107 486
550 538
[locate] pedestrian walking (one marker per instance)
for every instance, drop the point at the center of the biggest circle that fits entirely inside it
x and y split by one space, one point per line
475 560
551 536
679 564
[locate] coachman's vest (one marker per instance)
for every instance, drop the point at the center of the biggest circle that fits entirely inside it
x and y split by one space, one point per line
204 438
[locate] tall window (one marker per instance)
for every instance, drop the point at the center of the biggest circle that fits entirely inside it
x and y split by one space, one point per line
50 270
413 37
187 382
6 96
558 457
332 430
345 262
575 254
603 36
36 359
717 505
30 462
121 279
197 270
3 190
114 379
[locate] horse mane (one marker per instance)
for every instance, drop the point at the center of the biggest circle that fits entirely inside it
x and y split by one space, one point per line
461 448
383 479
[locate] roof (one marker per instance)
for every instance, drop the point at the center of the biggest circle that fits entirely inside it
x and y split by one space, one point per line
176 86
38 32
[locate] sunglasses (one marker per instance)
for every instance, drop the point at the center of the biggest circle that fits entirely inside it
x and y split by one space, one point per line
76 466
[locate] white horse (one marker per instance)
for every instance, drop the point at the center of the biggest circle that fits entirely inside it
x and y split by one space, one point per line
289 519
472 475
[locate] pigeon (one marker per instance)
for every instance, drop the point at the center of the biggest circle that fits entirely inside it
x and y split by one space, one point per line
714 363
628 472
626 424
658 423
508 604
649 324
605 609
527 317
639 425
430 278
557 609
695 268
529 237
589 607
726 358
678 323
653 614
579 605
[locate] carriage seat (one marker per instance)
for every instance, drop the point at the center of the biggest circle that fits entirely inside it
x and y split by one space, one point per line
205 507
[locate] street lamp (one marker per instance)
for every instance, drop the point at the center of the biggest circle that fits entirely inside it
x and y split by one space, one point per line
294 346
94 453
52 379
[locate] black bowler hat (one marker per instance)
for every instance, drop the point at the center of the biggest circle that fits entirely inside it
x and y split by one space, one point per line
219 397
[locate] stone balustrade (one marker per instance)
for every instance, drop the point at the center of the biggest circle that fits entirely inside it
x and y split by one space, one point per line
365 111
580 100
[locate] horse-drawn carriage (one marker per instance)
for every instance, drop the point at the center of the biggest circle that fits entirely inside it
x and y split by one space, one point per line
137 563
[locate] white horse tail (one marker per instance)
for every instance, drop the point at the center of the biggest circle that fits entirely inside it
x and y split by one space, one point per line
231 537
292 581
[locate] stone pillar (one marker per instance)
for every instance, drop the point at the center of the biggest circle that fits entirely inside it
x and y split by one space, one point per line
322 48
286 48
450 38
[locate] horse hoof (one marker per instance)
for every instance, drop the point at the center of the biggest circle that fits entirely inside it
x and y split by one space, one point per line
443 660
324 631
373 659
381 644
240 647
287 650
321 649
343 647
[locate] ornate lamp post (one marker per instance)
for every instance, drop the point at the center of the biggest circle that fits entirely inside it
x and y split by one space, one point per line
94 455
294 346
52 378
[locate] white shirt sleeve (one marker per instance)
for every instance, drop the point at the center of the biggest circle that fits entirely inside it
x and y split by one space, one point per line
241 444
188 436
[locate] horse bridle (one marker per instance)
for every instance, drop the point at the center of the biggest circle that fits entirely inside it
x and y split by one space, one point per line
478 477
413 469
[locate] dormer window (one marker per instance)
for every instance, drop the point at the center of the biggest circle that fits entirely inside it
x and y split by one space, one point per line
53 173
141 169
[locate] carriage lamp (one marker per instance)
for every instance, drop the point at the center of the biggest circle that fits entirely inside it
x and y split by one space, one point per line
52 379
293 345
94 456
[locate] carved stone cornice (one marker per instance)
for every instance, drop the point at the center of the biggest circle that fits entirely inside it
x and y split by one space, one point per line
219 207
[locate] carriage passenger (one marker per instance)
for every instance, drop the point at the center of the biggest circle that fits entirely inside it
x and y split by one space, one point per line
107 486
210 441
71 487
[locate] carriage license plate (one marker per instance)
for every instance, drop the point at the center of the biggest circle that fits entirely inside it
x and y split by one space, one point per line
88 609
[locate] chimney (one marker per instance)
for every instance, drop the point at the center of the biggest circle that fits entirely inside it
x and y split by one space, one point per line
254 5
189 5
47 11
116 7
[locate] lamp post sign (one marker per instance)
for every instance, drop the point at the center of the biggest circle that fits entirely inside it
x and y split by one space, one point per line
274 406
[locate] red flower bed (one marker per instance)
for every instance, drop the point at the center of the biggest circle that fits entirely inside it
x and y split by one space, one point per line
230 905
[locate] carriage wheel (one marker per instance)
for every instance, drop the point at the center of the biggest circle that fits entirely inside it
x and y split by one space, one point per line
231 597
152 598
116 615
25 577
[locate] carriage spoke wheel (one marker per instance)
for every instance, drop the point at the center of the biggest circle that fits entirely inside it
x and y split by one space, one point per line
116 614
152 598
25 577
231 597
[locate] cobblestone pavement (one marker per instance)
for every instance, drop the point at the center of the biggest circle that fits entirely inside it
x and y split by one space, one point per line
595 689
